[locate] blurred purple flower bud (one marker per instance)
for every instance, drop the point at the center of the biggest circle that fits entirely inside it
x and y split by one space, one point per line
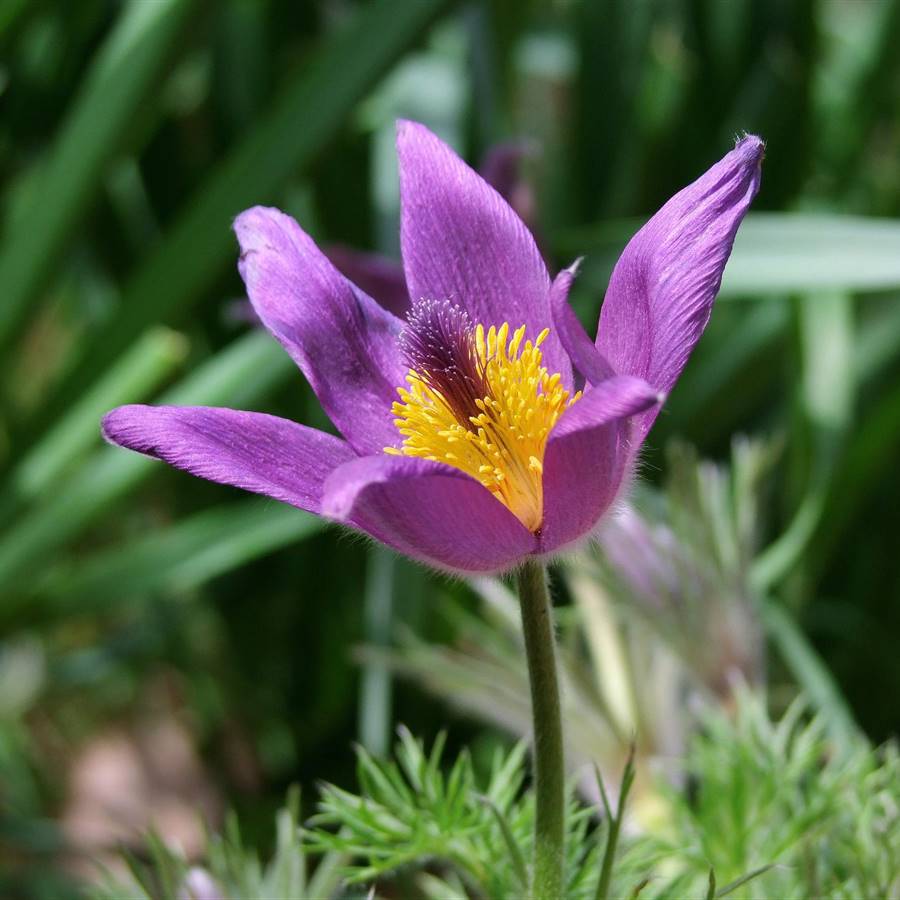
198 884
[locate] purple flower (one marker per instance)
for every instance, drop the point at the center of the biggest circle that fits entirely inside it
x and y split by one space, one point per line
382 278
465 441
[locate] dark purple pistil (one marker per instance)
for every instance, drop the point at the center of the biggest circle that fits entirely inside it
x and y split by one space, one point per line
438 344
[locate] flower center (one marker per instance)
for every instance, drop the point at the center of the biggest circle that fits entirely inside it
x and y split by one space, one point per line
479 401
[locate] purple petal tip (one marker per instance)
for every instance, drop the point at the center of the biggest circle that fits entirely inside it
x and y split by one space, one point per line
405 126
751 147
337 504
109 425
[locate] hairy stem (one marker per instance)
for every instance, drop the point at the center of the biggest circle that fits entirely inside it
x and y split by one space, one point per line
549 771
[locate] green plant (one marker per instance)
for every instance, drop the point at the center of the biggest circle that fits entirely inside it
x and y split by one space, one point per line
763 792
756 799
230 869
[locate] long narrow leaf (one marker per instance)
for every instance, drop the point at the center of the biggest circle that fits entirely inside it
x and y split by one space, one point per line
375 688
732 886
298 126
516 859
246 370
126 71
180 557
774 253
140 371
827 389
614 825
810 672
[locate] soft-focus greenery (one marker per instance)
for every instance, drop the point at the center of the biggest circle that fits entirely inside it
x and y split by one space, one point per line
751 790
137 601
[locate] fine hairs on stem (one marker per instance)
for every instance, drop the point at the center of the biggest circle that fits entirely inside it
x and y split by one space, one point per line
549 771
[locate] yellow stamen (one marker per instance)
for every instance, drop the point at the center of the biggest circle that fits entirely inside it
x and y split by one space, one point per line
502 444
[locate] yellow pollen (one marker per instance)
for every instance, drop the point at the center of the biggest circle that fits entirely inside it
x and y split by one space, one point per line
502 444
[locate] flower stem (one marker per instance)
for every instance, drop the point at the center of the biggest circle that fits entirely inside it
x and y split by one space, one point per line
549 770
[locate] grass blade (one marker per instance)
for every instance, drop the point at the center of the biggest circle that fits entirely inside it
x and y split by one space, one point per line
178 558
200 245
826 392
774 253
711 885
615 825
137 374
127 69
811 673
375 682
732 886
808 253
246 370
515 851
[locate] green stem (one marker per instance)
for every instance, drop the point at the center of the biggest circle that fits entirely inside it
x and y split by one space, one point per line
549 770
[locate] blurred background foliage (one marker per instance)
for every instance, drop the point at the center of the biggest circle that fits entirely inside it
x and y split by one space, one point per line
169 646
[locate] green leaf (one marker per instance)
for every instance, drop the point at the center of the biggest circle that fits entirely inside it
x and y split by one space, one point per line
125 72
711 888
803 252
300 123
286 876
136 375
512 845
247 369
375 691
811 673
732 886
10 11
178 558
614 824
827 391
774 253
327 876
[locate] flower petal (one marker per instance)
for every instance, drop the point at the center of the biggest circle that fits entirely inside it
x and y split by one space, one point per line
252 451
429 511
379 276
461 241
586 358
382 278
587 457
662 289
344 342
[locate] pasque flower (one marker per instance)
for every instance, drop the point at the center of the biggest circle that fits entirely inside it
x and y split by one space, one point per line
382 277
487 427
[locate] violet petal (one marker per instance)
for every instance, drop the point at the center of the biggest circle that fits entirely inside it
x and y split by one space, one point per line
662 289
586 358
462 241
344 342
253 451
429 511
587 457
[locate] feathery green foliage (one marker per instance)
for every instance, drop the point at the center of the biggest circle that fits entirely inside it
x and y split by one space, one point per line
231 870
764 809
775 793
